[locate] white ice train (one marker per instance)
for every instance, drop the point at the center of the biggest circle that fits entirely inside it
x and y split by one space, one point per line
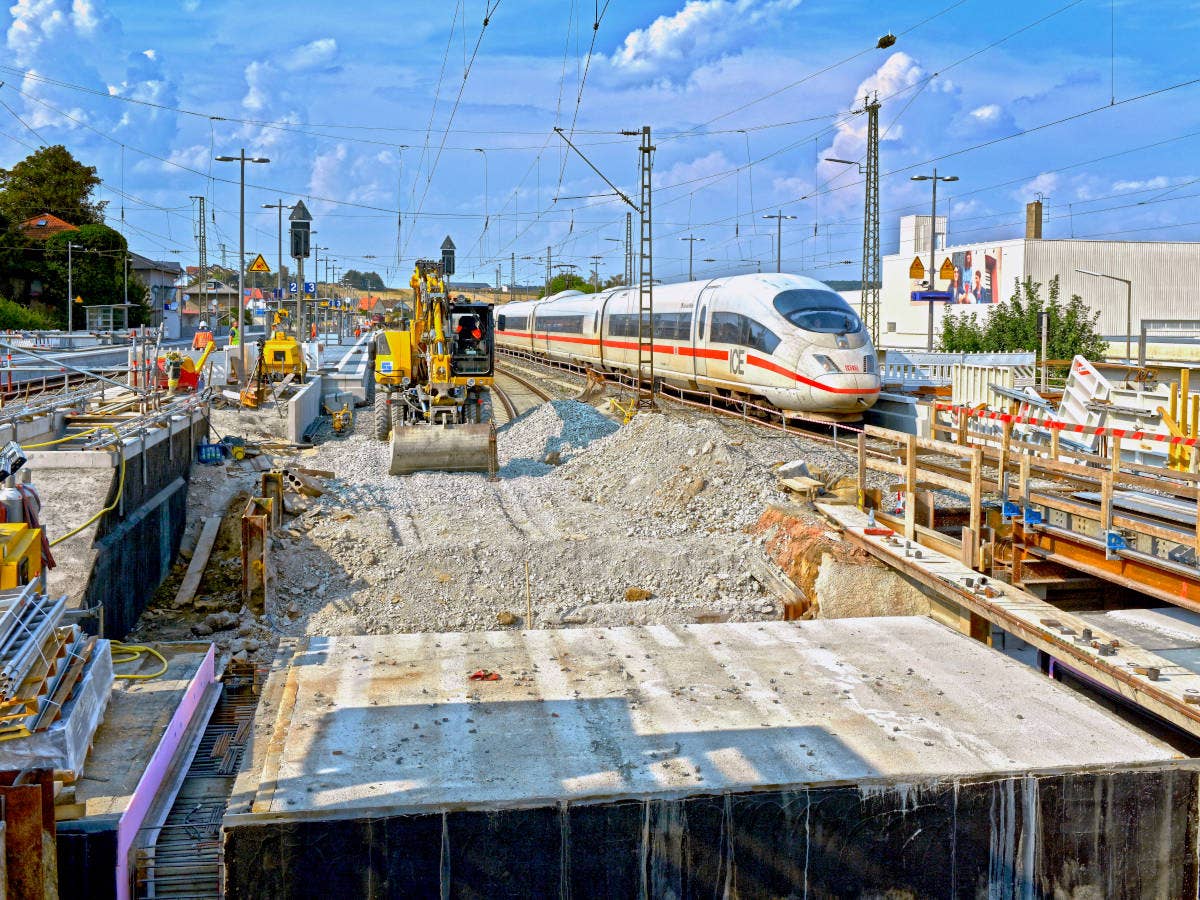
788 340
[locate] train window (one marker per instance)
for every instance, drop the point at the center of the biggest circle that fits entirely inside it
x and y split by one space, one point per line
726 328
700 324
596 322
513 323
734 328
500 322
759 336
624 325
560 324
817 310
672 326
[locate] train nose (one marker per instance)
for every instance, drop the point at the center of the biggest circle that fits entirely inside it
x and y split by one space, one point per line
841 377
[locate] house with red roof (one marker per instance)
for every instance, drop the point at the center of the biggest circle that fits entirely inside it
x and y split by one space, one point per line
41 227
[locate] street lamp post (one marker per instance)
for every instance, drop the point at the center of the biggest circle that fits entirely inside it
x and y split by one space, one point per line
691 242
317 284
242 159
70 288
778 217
281 206
1128 308
934 178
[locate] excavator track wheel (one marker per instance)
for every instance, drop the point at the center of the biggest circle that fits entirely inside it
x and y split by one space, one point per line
383 415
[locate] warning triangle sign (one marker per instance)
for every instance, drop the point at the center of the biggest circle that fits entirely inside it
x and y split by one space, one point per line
259 265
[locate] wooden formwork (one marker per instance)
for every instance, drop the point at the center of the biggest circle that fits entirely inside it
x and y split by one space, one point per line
1027 503
256 543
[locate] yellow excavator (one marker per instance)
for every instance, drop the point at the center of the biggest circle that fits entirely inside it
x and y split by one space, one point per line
433 375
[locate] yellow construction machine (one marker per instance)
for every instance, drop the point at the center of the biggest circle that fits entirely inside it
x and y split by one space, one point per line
433 376
282 354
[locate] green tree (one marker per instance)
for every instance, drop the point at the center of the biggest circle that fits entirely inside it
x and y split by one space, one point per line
569 281
1015 324
51 180
97 273
363 281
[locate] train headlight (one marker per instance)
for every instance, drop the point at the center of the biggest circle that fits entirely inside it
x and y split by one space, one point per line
826 363
470 382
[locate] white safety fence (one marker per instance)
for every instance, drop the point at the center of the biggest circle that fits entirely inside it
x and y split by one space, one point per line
913 369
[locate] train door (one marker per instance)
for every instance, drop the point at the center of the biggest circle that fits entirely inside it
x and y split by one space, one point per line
601 312
700 330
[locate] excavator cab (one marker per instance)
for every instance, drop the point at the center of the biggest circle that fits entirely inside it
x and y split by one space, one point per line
472 350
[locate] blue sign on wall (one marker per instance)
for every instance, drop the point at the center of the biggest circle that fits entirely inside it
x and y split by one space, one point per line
931 296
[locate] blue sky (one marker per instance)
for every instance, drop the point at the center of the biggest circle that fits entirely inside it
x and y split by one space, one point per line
745 97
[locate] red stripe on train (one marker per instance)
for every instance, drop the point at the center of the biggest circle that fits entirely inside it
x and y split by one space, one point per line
704 353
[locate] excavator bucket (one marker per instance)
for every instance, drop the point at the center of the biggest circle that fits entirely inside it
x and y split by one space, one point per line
443 448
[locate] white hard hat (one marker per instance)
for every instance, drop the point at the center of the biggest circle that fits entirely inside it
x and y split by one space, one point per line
203 325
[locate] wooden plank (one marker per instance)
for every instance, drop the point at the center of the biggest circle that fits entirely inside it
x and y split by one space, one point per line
976 512
1027 617
195 570
910 487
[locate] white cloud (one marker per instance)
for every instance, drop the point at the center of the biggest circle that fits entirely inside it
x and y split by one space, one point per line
1046 183
193 157
86 16
699 29
699 168
257 74
1158 182
989 113
34 23
850 142
312 55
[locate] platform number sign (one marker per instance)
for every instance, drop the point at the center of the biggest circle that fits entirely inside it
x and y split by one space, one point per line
737 362
292 286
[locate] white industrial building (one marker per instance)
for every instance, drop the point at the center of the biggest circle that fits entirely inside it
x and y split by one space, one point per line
985 272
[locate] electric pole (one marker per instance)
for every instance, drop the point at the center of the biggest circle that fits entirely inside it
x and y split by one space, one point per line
778 217
202 248
871 275
691 246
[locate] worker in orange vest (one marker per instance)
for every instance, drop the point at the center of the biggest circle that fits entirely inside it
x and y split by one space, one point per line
314 331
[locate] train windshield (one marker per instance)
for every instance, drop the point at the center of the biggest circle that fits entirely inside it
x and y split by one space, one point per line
815 310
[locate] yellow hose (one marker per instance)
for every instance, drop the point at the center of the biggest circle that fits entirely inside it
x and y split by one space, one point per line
133 652
62 440
120 480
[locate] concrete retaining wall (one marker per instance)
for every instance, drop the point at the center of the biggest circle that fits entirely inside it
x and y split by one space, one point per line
303 409
1128 833
118 562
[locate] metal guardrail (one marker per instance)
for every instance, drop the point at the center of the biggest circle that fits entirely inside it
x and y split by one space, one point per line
913 369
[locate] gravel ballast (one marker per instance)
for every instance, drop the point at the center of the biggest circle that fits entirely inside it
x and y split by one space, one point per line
589 523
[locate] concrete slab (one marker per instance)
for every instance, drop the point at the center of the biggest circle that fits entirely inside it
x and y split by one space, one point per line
134 725
373 725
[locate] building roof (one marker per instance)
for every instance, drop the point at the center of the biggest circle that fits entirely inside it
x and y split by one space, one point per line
368 303
146 264
41 227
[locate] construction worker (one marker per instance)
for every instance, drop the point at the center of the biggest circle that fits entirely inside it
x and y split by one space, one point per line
313 331
235 336
468 332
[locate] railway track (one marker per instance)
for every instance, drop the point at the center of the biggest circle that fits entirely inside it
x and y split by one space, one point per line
840 435
517 395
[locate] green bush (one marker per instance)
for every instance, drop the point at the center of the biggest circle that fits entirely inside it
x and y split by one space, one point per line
1015 325
14 317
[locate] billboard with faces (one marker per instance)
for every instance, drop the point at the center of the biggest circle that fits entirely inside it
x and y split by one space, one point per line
980 274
